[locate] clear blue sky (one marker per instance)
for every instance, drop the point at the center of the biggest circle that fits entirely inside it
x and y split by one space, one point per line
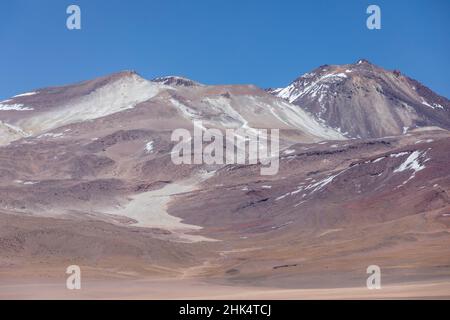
267 43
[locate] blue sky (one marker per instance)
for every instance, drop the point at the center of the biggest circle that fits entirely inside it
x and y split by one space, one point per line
267 43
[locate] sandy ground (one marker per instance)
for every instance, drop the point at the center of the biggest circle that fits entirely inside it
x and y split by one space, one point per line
149 209
198 290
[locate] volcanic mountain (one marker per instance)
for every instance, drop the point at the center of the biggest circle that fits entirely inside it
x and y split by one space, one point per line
86 178
168 102
362 100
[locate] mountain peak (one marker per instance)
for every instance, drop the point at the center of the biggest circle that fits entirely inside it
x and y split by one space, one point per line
124 74
363 61
366 101
128 73
176 81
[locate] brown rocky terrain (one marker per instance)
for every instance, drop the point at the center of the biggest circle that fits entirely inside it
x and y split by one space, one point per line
362 100
86 178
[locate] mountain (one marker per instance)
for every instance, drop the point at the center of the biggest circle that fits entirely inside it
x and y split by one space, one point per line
86 178
178 100
362 100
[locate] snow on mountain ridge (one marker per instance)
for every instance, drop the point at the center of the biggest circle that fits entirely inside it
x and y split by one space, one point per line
365 100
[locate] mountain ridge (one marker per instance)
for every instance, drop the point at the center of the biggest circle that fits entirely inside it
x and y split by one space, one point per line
359 100
365 100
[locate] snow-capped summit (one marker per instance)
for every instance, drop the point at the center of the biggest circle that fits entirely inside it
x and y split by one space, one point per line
364 100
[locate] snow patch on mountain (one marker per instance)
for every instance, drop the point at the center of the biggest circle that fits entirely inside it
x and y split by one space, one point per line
314 88
414 163
14 107
400 154
411 163
51 135
432 106
26 94
322 183
149 146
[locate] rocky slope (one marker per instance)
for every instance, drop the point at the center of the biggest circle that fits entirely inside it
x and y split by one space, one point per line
86 178
179 101
362 100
